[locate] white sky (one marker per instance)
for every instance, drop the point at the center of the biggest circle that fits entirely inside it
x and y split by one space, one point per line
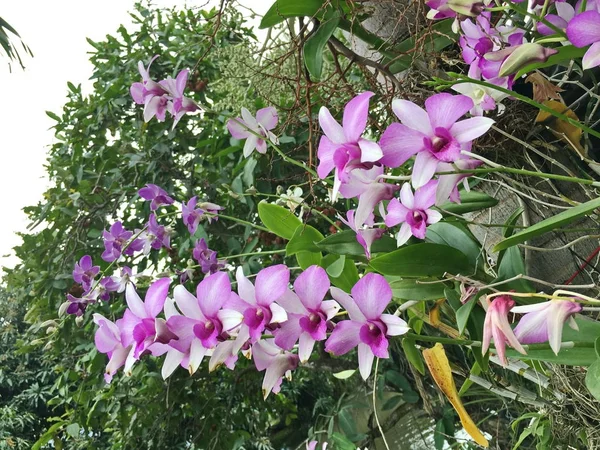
55 32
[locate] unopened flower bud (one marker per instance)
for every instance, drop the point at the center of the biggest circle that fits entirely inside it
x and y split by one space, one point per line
50 330
523 55
79 321
62 310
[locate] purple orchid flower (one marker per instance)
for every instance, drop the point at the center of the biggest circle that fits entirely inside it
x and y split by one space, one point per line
434 134
207 258
564 13
78 305
116 242
257 303
496 325
413 211
584 30
105 287
342 148
140 326
179 104
124 278
192 215
156 194
250 128
150 94
84 272
442 9
207 318
368 328
543 322
108 341
365 235
307 313
277 362
156 236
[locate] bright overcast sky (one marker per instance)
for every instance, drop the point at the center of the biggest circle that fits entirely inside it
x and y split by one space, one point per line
56 34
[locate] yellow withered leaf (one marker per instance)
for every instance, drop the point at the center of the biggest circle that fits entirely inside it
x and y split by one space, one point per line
434 313
439 367
561 129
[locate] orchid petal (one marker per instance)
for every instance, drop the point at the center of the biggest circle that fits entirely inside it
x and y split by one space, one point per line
250 145
292 303
365 360
245 287
583 29
398 143
372 294
330 308
134 302
288 332
305 347
187 303
311 287
279 314
445 109
412 116
212 293
355 117
592 57
197 353
369 151
332 129
403 235
396 213
271 284
394 324
172 360
230 318
344 337
348 304
423 169
470 129
155 297
267 117
238 129
325 154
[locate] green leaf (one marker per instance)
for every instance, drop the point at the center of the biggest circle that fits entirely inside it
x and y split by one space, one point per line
307 259
53 116
48 435
565 54
347 278
277 219
438 437
413 355
397 380
283 9
341 442
592 379
511 265
549 224
344 374
73 430
421 260
335 269
392 403
454 236
304 239
463 313
315 44
411 289
469 202
345 243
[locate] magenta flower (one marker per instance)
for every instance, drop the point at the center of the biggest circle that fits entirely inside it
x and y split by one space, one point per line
179 104
496 325
442 9
365 235
543 322
368 328
307 313
105 287
257 303
583 30
78 305
139 326
108 341
433 135
207 318
156 194
123 279
156 236
84 272
207 258
564 14
413 211
192 215
150 94
256 130
342 148
117 242
277 362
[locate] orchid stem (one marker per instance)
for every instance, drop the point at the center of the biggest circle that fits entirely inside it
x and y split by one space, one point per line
241 221
268 252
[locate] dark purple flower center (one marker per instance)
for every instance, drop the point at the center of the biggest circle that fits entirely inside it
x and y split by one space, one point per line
208 332
443 146
312 322
372 333
256 317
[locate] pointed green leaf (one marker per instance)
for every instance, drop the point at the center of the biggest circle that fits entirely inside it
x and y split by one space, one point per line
469 202
279 220
345 243
304 239
315 44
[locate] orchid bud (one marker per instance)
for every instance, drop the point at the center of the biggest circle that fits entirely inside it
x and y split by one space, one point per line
523 55
470 8
62 310
79 321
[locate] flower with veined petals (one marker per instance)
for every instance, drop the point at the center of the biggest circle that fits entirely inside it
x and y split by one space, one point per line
150 94
116 243
413 211
179 104
433 134
583 30
108 340
140 326
157 195
257 302
207 317
277 362
366 234
368 328
307 313
564 13
248 127
84 272
496 325
543 322
342 148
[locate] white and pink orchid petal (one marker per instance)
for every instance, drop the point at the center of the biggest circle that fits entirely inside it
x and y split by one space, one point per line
170 309
412 116
470 129
289 332
433 216
261 146
134 302
305 347
292 303
212 292
183 328
250 145
332 129
181 81
407 197
156 296
337 182
105 339
117 360
592 56
172 360
532 328
404 234
221 353
394 324
509 334
445 109
396 213
348 304
425 196
230 318
344 337
365 360
325 153
126 324
245 287
311 287
238 129
267 117
263 353
583 29
367 202
523 309
356 113
130 360
274 374
372 294
197 353
279 315
187 303
398 143
137 93
369 151
271 284
330 308
250 120
423 170
241 339
100 320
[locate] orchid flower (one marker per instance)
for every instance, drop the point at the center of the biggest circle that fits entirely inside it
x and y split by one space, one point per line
484 98
496 325
157 195
583 30
108 340
512 59
207 317
543 322
150 94
140 326
192 215
116 243
365 235
277 362
105 287
307 313
368 328
84 272
564 13
433 134
207 258
124 278
156 236
342 148
256 130
413 211
257 303
179 104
